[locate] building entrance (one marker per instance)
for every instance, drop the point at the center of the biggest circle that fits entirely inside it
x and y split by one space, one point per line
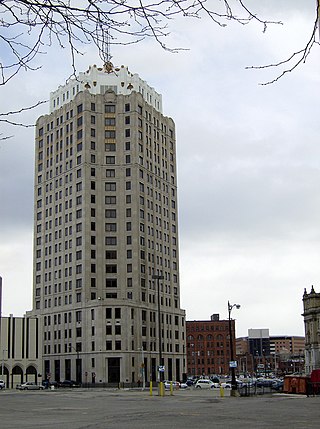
113 370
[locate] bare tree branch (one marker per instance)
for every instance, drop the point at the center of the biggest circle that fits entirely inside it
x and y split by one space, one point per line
29 28
2 137
72 24
4 117
298 57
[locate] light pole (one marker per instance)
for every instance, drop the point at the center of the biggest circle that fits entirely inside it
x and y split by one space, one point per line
159 277
232 363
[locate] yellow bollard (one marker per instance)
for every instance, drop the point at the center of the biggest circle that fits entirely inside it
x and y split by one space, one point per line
161 389
221 392
150 388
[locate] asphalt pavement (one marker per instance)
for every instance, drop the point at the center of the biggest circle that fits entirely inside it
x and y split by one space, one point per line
136 409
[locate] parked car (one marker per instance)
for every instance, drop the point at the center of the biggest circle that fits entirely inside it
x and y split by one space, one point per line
204 383
2 384
175 384
184 386
69 383
29 385
47 384
226 385
277 385
264 382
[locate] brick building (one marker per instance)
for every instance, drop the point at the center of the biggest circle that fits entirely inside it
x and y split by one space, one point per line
208 346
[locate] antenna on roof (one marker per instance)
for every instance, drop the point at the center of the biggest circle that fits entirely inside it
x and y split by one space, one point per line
108 66
108 53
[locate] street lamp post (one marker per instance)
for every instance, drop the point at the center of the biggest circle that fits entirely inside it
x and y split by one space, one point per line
232 361
159 277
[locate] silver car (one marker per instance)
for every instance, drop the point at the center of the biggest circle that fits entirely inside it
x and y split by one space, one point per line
29 385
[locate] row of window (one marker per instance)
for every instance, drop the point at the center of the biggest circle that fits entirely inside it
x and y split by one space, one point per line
110 345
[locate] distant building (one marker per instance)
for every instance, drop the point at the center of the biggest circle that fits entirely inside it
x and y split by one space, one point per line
262 354
20 350
259 342
208 346
287 344
311 315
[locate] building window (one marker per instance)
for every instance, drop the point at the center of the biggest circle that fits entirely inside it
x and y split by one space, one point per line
110 147
111 241
111 213
110 134
110 186
110 122
111 254
110 173
111 227
110 108
111 283
111 268
110 159
110 199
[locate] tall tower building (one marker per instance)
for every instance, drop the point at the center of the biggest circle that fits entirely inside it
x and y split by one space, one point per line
106 232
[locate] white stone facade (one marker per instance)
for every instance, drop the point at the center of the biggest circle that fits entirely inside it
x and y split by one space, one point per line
97 80
20 350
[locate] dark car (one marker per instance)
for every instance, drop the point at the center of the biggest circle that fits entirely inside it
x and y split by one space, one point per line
277 385
264 382
69 383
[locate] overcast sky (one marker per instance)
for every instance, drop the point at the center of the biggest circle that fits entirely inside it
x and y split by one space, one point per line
248 165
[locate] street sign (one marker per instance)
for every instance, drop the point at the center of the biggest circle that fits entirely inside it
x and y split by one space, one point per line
161 368
233 364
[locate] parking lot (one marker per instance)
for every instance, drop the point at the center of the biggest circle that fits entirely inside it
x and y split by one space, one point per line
122 409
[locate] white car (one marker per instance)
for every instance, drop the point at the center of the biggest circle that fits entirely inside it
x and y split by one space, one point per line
175 384
29 385
2 384
204 383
